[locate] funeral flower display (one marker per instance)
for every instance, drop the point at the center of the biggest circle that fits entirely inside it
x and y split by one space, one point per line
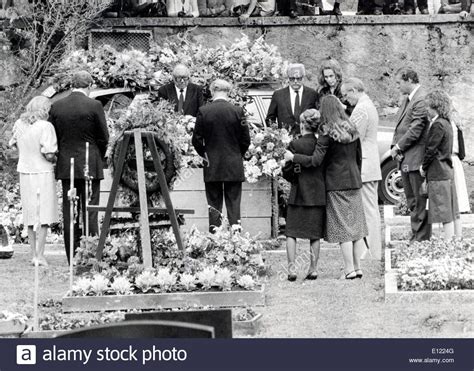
437 264
160 119
219 261
266 152
244 60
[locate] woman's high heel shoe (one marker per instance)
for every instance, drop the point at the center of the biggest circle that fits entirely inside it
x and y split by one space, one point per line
359 273
349 276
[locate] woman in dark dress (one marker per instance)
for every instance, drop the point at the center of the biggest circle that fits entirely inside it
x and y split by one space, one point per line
345 219
437 165
306 204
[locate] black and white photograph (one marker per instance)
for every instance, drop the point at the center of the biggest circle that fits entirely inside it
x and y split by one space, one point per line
238 169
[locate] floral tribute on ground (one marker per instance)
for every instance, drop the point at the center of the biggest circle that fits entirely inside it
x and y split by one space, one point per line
436 264
222 261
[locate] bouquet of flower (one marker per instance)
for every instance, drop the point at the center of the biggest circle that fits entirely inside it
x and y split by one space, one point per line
265 153
108 67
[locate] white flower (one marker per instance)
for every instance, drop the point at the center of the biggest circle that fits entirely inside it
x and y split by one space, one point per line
206 277
188 281
121 285
99 284
82 286
166 280
270 146
223 278
146 280
246 281
258 138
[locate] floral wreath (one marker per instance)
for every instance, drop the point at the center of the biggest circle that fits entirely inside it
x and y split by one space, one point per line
157 118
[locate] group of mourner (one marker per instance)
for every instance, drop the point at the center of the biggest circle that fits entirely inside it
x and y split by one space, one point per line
333 164
267 8
263 8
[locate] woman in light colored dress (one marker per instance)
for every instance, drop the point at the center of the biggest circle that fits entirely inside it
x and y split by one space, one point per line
459 179
36 141
182 8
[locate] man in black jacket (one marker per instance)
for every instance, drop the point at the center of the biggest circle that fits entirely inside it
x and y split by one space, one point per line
186 96
222 137
288 103
78 120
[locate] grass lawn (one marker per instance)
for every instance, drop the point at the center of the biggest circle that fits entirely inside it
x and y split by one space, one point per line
325 308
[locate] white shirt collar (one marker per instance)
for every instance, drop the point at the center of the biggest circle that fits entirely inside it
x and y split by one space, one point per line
412 94
434 119
83 91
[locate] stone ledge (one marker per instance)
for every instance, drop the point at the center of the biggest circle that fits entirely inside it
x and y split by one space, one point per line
284 21
238 298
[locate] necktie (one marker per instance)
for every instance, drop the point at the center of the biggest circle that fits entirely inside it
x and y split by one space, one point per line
297 110
180 101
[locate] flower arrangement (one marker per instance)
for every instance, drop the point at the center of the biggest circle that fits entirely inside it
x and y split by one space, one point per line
210 261
266 152
160 119
436 264
244 60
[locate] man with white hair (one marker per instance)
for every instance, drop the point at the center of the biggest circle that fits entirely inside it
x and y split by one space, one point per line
186 96
366 118
288 103
221 136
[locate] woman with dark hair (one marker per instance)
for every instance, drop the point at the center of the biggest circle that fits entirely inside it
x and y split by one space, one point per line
36 141
307 200
437 165
339 144
330 81
330 78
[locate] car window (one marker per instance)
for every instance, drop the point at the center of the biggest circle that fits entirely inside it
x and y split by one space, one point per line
253 114
266 103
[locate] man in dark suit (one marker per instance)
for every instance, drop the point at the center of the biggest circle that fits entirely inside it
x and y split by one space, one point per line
288 103
408 147
186 96
222 137
77 120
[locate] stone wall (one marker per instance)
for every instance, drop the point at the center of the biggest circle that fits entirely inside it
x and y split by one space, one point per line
371 48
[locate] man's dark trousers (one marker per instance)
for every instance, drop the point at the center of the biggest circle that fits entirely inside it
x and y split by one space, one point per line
216 192
94 192
421 229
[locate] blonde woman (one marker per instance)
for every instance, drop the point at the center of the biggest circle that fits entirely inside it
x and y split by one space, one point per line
36 141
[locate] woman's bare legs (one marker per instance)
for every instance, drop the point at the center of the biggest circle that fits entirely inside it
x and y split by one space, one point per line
314 248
